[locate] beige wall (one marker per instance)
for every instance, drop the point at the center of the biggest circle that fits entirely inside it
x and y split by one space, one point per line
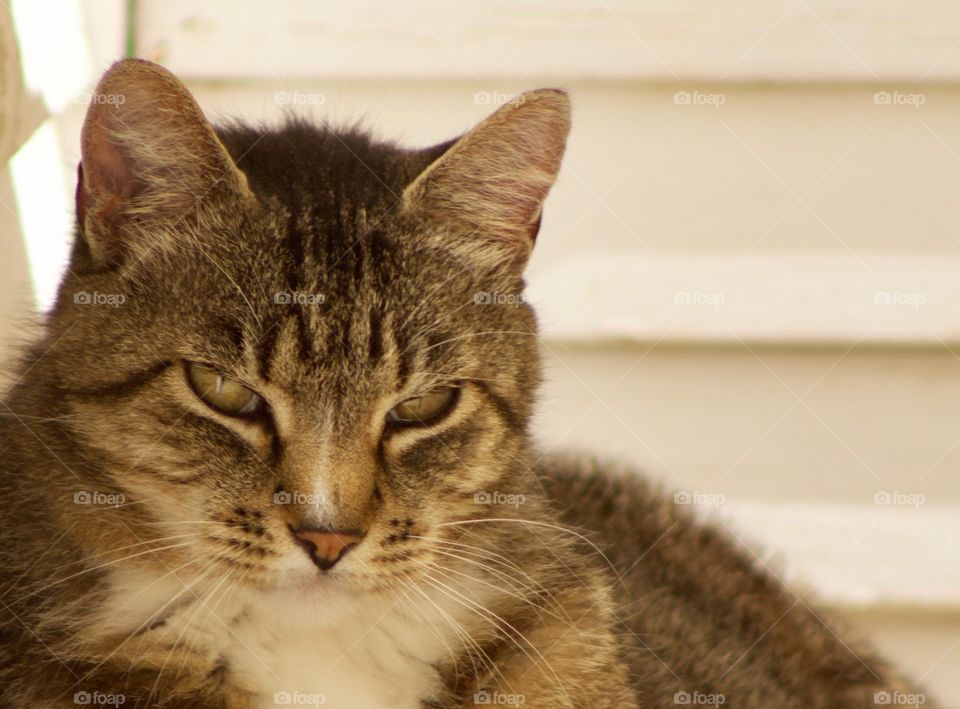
16 293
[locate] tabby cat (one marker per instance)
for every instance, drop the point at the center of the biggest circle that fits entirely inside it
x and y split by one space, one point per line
273 449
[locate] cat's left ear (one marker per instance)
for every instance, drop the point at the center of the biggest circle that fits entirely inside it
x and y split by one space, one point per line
487 190
149 156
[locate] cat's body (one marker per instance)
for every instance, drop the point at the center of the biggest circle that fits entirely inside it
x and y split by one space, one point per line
353 515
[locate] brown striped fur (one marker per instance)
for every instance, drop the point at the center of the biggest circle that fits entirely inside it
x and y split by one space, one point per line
336 275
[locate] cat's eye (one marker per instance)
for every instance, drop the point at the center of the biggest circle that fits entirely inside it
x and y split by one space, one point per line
425 409
222 393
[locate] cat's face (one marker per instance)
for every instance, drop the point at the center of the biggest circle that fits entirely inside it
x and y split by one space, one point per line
316 333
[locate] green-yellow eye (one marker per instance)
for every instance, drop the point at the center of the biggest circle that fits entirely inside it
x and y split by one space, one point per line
222 393
424 409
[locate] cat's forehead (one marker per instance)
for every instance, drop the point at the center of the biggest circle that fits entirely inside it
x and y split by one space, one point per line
328 172
327 291
332 202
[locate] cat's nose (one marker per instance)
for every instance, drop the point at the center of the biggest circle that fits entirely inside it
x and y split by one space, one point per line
326 547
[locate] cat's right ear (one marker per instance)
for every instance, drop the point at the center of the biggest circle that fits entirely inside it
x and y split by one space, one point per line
487 190
148 155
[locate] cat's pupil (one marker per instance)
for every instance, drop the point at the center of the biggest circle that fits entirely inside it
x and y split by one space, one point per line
426 408
220 392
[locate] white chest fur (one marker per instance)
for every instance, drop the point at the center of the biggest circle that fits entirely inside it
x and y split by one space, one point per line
339 653
326 647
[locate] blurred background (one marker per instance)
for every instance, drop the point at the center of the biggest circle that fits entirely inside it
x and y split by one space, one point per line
748 274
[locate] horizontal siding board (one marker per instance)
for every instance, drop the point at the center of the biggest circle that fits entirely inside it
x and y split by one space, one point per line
658 39
775 424
800 299
857 555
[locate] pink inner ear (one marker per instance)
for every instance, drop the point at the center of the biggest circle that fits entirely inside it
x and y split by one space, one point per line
522 200
107 170
106 176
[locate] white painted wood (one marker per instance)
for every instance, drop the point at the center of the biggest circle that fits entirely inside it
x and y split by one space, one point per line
105 28
54 54
924 645
883 555
888 570
21 110
16 290
777 424
802 299
616 39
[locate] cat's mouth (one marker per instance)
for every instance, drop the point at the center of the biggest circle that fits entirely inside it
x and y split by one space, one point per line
314 589
307 582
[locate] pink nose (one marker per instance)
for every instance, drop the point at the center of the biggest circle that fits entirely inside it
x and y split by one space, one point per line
326 548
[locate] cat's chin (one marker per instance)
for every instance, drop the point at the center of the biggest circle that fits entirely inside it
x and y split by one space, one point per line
309 599
307 582
315 585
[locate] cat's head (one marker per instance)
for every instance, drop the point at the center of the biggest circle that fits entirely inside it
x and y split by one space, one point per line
268 335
